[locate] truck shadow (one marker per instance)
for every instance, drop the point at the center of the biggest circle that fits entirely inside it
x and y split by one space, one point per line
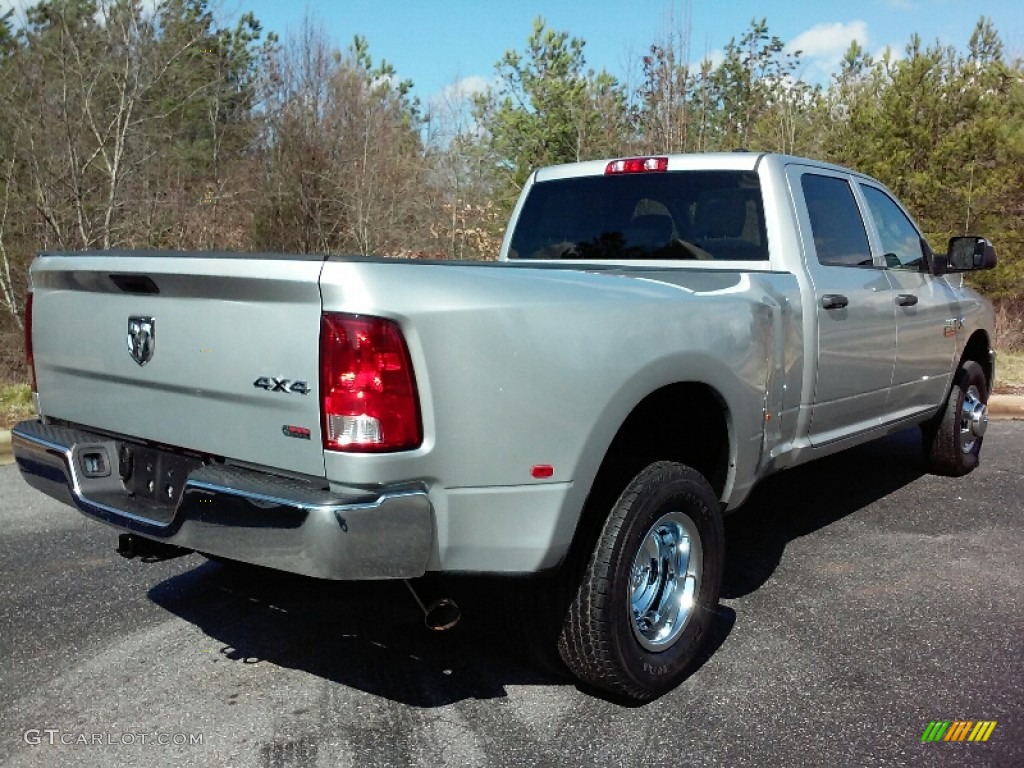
370 635
800 501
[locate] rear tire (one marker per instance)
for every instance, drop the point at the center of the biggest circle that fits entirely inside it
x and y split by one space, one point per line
952 442
647 598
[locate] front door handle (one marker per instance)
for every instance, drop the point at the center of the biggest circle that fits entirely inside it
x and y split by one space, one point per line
906 299
834 301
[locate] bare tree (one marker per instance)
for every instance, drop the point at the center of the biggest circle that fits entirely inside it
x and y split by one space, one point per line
343 150
8 295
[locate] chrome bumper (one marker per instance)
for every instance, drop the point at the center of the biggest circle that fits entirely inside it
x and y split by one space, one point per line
239 513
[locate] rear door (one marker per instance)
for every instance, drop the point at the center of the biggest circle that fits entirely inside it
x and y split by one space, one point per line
853 299
213 354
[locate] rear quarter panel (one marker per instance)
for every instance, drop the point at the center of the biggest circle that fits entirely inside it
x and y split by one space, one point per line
521 365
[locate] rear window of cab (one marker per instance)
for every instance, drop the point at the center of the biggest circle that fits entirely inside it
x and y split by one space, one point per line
683 215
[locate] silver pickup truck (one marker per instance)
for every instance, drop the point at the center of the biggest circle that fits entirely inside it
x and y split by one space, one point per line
658 335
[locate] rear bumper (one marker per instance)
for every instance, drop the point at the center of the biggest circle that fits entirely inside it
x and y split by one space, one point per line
239 513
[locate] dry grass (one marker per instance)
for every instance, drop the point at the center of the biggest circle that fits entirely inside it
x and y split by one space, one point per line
1009 326
15 404
1010 373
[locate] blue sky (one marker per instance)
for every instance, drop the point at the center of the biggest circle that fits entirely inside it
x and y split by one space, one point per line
436 44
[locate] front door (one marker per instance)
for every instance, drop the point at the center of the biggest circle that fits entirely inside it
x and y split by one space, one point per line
927 312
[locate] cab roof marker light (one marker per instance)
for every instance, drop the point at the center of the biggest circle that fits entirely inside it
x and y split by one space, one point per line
636 165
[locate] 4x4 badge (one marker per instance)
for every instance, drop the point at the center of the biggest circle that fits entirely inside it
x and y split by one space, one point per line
141 338
273 384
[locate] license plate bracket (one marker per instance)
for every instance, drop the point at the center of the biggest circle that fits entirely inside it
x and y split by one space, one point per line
154 475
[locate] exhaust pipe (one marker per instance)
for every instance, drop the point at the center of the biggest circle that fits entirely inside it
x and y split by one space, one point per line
131 546
439 615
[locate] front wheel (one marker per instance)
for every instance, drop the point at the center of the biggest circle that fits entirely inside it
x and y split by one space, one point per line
952 442
647 598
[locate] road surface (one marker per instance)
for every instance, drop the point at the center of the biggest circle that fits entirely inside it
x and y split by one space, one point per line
862 600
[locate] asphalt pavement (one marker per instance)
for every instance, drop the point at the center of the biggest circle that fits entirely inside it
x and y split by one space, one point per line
862 601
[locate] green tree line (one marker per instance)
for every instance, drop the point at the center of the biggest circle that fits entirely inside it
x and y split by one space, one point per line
122 126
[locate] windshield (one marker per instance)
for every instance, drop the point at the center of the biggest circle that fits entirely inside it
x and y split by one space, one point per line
675 215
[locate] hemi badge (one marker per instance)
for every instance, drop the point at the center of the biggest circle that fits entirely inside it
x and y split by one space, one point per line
300 432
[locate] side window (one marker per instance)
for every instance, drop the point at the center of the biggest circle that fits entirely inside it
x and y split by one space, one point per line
838 230
901 242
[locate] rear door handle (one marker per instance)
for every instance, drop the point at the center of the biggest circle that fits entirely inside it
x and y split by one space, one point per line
834 301
906 299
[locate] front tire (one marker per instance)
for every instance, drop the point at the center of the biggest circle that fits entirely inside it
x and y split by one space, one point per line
647 598
952 442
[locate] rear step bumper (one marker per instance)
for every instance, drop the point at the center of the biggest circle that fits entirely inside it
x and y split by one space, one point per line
237 513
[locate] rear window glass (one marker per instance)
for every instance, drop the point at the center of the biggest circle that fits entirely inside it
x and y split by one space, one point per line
839 236
714 215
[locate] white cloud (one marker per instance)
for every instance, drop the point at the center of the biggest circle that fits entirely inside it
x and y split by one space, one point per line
895 50
464 88
829 41
716 56
822 46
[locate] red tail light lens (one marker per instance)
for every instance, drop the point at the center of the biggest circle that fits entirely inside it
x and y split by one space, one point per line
29 356
368 396
637 165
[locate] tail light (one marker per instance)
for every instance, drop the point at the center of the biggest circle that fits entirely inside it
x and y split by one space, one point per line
636 165
29 357
368 398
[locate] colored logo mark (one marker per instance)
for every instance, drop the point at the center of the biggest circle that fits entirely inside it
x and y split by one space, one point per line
958 730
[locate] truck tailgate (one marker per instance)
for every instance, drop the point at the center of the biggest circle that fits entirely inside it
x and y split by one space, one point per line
168 348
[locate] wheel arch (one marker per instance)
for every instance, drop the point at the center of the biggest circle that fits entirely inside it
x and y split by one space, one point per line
978 348
661 427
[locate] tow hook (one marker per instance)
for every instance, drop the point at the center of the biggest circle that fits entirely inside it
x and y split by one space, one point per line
131 546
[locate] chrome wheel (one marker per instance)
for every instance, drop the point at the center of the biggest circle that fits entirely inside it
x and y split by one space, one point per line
665 580
973 419
643 608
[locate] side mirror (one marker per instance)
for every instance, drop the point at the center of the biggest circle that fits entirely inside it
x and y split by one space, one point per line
966 254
